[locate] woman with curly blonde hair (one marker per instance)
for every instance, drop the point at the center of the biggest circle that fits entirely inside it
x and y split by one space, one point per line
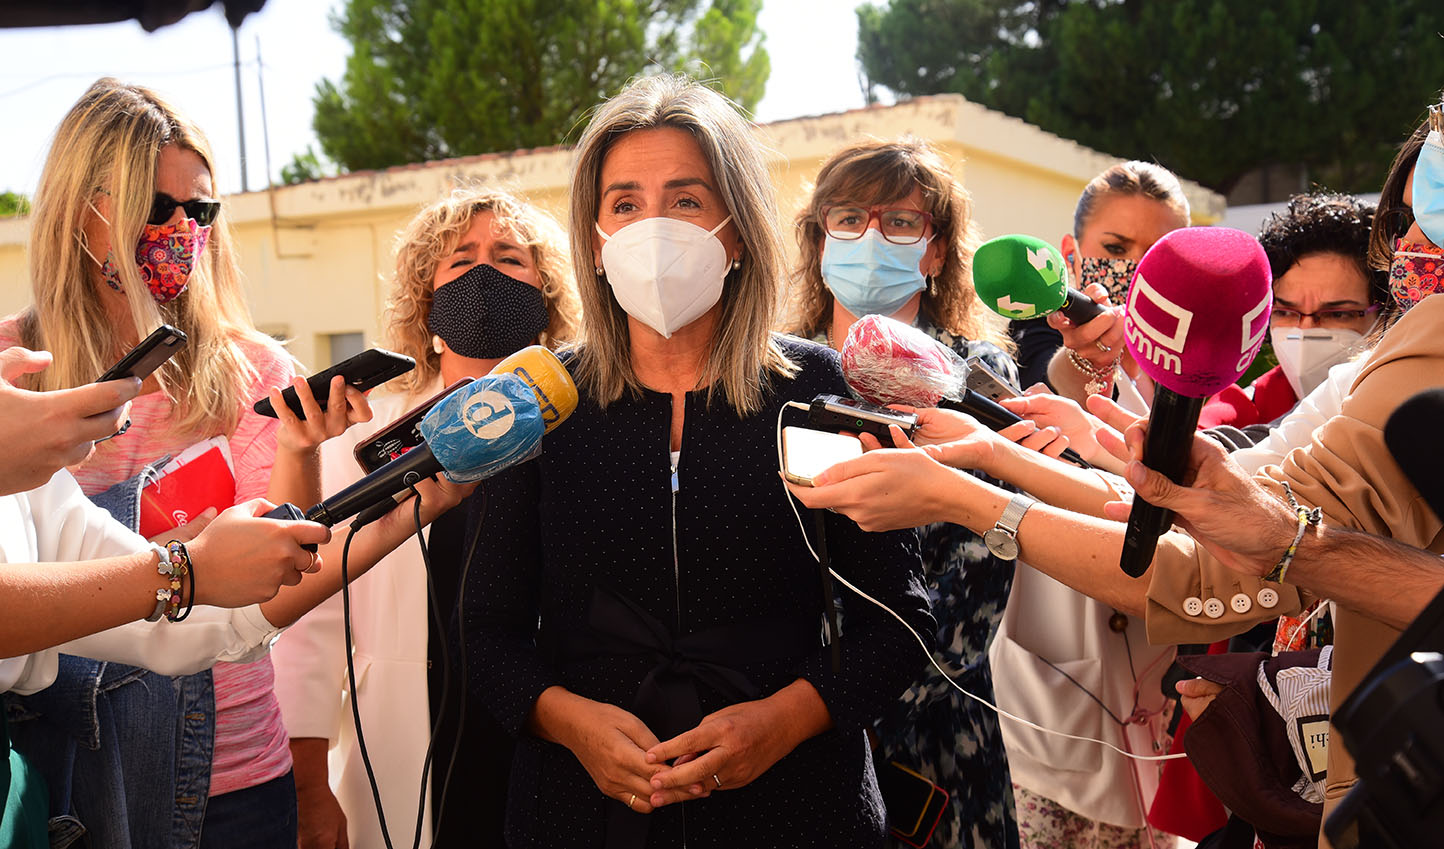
480 274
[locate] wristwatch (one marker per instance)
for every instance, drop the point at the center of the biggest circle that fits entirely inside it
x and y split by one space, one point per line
1002 538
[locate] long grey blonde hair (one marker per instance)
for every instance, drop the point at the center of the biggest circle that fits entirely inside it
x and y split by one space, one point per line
109 143
744 352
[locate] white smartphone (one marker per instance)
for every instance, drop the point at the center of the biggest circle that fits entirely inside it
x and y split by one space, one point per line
807 453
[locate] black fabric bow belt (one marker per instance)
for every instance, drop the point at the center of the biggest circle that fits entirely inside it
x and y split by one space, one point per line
668 698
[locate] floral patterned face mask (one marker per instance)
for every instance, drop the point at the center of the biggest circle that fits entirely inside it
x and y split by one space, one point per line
164 256
1113 274
1415 272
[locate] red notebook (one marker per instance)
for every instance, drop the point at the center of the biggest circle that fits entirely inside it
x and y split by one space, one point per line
198 478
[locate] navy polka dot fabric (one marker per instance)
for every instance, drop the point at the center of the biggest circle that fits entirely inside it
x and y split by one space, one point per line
598 510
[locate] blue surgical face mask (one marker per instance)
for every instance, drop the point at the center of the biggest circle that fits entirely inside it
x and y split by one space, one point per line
870 275
1429 188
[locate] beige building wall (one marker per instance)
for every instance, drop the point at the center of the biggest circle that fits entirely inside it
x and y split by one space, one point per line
317 256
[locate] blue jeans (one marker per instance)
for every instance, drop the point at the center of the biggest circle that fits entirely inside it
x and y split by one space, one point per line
126 752
260 817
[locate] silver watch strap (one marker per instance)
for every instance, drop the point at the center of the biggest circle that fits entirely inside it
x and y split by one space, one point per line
1013 514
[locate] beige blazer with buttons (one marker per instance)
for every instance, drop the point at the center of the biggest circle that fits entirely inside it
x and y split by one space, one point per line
1347 470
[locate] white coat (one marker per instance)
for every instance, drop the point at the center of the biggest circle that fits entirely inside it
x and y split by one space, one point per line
388 619
56 523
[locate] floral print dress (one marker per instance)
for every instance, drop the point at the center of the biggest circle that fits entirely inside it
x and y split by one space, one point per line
934 729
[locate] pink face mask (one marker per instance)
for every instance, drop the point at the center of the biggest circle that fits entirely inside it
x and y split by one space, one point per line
1415 272
164 256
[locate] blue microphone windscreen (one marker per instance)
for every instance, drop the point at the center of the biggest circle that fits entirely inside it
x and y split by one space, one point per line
486 426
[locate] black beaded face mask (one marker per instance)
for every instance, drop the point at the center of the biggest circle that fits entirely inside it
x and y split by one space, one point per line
484 314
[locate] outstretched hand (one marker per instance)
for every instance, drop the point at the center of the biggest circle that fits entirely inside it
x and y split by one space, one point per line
1214 501
43 432
1056 413
1098 340
345 406
885 489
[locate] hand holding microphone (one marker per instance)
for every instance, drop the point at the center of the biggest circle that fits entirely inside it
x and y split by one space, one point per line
888 362
1022 277
1197 312
478 430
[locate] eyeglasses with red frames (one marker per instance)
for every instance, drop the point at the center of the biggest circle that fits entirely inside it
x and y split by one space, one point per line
897 225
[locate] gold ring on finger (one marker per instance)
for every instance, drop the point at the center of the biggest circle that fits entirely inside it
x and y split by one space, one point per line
1104 348
717 780
632 801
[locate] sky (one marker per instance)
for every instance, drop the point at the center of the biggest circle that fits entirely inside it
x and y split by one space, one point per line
811 44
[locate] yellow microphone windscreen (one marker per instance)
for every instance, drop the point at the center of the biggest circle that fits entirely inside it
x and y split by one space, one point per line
556 393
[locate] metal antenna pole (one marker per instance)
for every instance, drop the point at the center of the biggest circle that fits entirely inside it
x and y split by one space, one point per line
265 128
240 112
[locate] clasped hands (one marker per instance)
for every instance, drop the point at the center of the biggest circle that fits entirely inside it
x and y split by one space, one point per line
728 749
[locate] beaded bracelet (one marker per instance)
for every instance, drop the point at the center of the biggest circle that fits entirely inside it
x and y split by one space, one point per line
180 561
162 595
1306 518
1098 379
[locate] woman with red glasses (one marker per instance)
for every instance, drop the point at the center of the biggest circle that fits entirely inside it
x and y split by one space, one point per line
888 232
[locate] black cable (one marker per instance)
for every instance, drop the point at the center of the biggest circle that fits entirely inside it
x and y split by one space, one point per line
432 605
351 679
461 639
829 600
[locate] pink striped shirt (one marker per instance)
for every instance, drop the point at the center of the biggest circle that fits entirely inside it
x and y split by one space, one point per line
251 746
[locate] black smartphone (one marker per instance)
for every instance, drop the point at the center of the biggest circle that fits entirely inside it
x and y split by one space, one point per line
401 435
366 370
914 803
162 344
835 412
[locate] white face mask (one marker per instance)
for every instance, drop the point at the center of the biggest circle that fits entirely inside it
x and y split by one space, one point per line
664 272
1307 355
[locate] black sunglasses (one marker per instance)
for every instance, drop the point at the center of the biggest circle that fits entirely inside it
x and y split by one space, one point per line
202 211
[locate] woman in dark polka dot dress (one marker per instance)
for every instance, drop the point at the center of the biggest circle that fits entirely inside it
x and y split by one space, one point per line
643 610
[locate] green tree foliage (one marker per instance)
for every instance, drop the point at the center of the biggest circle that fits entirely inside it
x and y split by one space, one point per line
13 204
1210 88
430 79
303 167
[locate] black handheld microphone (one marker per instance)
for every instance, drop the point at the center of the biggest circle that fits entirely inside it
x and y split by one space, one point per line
888 362
480 429
1197 312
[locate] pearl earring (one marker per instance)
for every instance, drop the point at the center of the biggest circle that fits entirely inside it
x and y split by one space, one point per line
599 271
736 264
437 345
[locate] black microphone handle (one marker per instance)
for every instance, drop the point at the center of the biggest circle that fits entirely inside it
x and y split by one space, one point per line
1171 425
410 468
1079 308
996 417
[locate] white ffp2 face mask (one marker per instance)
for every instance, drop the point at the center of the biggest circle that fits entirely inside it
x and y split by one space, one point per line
664 272
1307 355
